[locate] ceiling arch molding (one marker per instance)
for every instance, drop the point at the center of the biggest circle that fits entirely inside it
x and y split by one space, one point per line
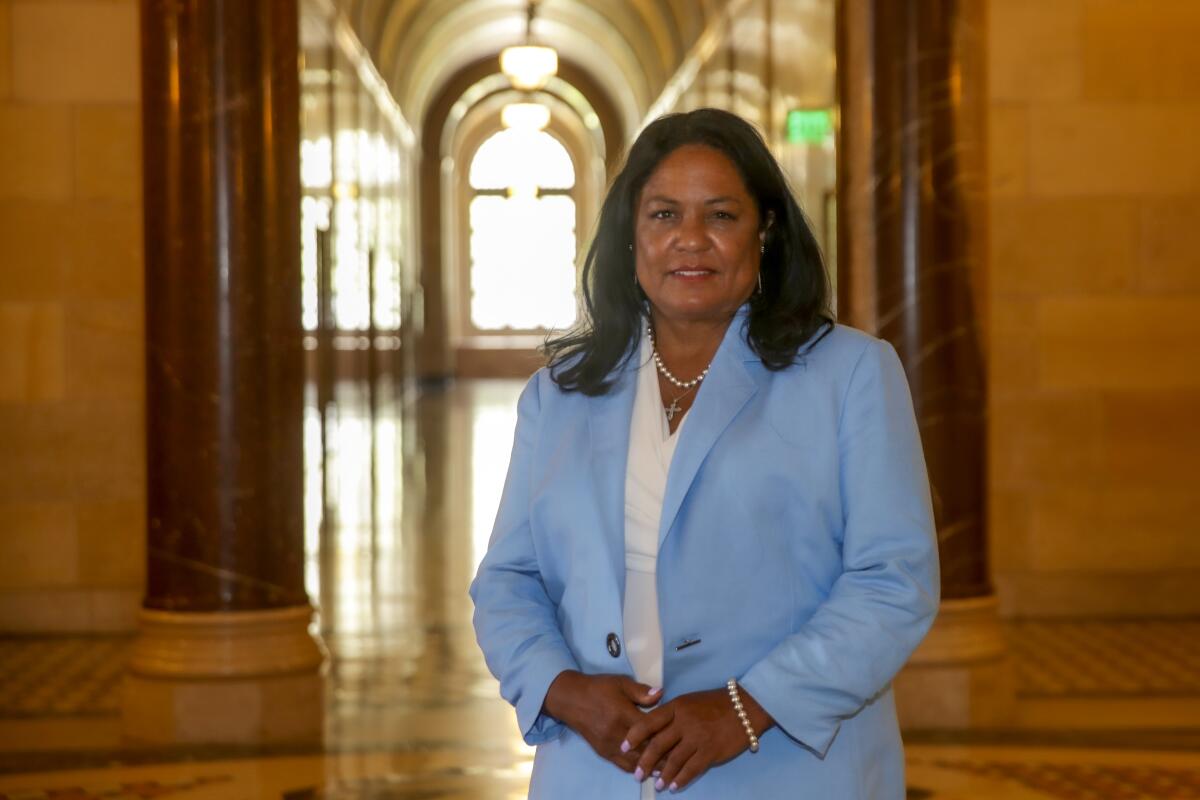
558 94
483 120
395 22
630 19
481 73
640 19
632 47
606 57
434 46
370 16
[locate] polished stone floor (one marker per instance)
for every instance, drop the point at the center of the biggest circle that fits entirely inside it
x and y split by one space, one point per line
400 501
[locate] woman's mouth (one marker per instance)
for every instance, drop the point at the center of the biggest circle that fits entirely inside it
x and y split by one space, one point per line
691 273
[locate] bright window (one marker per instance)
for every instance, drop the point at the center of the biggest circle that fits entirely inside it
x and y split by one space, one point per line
522 246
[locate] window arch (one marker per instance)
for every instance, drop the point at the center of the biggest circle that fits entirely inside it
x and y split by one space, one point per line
522 242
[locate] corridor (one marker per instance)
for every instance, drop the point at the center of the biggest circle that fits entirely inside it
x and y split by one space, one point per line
273 275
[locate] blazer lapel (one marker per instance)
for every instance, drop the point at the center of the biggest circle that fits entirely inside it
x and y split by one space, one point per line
722 395
609 418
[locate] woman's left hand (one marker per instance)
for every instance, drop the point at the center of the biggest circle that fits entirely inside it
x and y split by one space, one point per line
681 739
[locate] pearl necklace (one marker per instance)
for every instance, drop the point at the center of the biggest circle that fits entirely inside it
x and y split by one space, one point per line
666 373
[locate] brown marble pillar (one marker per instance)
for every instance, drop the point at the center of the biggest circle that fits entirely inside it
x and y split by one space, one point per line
225 608
911 249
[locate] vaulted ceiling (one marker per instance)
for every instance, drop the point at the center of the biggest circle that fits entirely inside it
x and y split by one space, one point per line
630 48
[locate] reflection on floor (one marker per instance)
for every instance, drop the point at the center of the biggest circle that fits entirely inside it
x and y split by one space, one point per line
934 774
399 509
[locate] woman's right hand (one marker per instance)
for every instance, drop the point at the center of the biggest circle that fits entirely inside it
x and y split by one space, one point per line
601 709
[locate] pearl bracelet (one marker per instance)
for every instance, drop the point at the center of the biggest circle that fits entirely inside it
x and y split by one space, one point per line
741 712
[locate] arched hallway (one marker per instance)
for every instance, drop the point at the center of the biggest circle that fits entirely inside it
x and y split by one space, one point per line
1070 664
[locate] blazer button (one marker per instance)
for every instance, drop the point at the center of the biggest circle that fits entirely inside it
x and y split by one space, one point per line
614 645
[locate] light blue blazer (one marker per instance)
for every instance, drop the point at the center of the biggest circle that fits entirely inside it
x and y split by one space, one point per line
797 545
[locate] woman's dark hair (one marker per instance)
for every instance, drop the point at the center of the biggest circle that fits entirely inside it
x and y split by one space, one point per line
792 307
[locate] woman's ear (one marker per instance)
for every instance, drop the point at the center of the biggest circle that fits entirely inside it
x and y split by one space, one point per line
768 222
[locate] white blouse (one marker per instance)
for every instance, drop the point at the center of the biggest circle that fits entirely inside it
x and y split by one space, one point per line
651 446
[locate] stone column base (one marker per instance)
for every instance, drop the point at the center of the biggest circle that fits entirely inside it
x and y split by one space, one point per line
245 677
960 676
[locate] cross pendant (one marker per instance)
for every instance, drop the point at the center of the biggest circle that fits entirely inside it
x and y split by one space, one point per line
672 409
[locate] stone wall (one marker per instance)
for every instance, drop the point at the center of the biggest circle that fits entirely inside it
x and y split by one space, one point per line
1094 289
72 538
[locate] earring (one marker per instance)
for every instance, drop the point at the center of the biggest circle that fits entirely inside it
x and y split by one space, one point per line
762 248
760 281
630 246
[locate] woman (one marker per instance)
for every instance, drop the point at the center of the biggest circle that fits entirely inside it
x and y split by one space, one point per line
715 545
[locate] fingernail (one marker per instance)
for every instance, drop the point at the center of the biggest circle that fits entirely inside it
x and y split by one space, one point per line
624 747
674 788
658 784
656 773
656 690
638 774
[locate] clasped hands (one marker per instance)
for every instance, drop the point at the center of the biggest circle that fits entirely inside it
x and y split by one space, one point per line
674 744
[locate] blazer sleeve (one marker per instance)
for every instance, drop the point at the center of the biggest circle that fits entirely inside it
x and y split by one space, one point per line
515 620
886 597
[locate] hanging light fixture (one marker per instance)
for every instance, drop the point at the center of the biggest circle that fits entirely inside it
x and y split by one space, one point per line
525 116
529 66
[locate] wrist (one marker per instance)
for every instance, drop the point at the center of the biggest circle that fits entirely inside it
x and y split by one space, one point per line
739 708
557 702
760 720
751 716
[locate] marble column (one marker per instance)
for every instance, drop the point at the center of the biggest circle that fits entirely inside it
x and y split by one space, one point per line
223 653
911 249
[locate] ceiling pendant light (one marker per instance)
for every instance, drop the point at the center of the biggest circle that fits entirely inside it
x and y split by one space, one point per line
525 116
529 66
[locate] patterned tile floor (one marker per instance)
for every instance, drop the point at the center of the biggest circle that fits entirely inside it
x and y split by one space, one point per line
935 773
1112 658
414 714
80 676
56 676
1062 774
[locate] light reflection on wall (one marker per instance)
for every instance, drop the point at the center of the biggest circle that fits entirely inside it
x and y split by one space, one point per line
356 177
349 270
316 163
314 217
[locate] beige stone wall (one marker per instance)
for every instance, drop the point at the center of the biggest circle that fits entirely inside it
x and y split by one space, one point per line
1094 143
72 542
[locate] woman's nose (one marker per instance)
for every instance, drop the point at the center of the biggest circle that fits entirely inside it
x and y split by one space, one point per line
693 235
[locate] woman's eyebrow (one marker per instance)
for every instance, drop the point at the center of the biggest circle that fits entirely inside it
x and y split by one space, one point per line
658 198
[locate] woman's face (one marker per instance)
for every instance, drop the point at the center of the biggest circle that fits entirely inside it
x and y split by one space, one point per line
696 236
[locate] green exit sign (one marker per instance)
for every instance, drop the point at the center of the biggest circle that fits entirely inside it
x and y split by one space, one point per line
808 125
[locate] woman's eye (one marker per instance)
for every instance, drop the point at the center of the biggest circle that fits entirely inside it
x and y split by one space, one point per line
662 213
723 215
